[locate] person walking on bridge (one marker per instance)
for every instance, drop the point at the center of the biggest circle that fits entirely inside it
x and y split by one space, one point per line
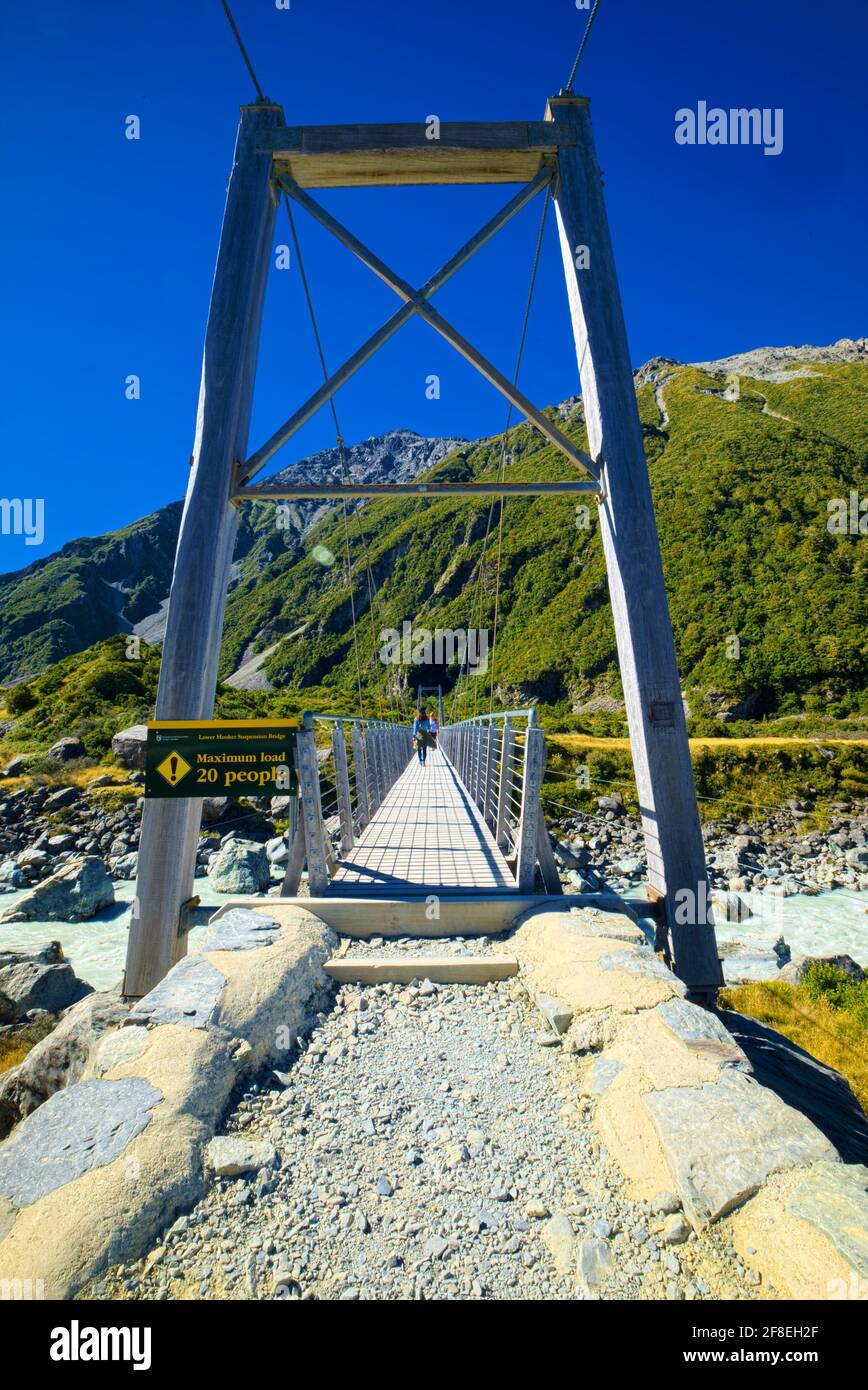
421 734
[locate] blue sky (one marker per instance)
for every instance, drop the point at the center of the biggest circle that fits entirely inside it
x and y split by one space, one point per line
108 245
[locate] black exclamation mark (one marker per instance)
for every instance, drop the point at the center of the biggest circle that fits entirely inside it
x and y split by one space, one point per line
173 763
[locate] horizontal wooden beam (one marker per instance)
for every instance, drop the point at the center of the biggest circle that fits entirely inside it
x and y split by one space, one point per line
336 491
444 970
348 156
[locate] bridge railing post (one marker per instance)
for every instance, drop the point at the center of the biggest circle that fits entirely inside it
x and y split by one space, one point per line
209 524
316 851
363 801
506 747
342 786
528 830
643 631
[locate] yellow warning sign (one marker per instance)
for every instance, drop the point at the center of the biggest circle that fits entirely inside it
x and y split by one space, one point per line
173 768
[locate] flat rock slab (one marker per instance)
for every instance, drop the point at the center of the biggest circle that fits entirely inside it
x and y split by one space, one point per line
609 922
83 1127
124 1045
187 996
602 1073
834 1197
723 1139
641 962
701 1032
239 930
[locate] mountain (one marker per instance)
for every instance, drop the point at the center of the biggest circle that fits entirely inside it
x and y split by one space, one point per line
95 588
745 456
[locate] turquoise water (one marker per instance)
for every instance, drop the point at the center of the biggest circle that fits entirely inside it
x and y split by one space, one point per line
95 949
829 924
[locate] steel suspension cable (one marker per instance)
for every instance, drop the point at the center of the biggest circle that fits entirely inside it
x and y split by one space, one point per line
238 39
591 17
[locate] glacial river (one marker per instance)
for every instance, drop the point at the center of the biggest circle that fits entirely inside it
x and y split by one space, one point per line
830 924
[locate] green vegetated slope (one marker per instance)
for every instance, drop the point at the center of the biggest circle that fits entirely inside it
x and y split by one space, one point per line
68 601
742 505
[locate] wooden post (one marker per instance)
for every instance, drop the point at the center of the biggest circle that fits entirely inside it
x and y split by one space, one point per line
364 808
646 651
311 812
188 673
342 785
506 746
528 830
295 862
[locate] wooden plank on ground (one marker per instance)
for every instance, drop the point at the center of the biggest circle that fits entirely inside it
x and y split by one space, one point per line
452 970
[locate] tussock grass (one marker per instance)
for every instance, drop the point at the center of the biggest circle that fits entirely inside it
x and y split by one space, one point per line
15 1046
833 1032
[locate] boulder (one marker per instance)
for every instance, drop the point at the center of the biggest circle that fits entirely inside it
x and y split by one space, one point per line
15 767
66 749
795 972
11 877
126 866
37 979
59 1059
77 892
65 797
129 745
241 867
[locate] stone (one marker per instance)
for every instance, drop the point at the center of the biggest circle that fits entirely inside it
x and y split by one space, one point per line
536 1209
675 1230
558 1236
230 1155
77 892
701 1032
241 866
834 1197
188 996
595 1262
15 767
78 1129
38 979
435 1247
665 1203
558 1014
721 1141
591 1031
59 1059
277 850
65 797
240 929
129 745
384 1188
126 866
66 749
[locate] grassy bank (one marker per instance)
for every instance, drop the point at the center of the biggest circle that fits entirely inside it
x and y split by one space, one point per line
744 778
827 1015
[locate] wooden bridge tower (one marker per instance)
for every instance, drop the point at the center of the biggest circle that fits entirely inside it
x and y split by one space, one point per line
271 160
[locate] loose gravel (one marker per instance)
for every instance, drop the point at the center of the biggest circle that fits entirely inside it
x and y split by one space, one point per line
430 1145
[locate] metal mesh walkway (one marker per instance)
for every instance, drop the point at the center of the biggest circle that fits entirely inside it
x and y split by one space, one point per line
427 837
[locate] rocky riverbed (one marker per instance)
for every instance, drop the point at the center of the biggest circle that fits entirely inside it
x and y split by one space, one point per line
425 1143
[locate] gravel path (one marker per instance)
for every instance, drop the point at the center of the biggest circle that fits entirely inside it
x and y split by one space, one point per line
428 1147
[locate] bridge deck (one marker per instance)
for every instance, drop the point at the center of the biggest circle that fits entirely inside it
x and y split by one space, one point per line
427 837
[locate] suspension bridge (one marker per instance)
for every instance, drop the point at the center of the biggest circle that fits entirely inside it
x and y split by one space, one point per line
449 830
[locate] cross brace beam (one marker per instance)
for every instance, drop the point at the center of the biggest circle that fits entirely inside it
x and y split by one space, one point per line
415 302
